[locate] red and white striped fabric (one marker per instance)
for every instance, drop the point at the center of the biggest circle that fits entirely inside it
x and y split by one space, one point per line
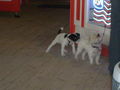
103 15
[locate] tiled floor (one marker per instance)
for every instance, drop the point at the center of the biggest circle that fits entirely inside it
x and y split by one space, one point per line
24 65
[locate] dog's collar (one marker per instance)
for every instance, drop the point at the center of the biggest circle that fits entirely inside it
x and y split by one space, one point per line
97 46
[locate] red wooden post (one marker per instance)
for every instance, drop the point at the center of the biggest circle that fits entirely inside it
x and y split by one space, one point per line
72 25
83 13
78 10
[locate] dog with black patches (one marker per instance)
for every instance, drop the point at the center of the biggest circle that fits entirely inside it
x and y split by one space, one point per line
64 39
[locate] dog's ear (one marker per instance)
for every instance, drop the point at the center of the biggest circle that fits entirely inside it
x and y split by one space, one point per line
74 37
98 35
78 34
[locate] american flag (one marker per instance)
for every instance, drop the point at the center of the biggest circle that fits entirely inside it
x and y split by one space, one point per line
103 15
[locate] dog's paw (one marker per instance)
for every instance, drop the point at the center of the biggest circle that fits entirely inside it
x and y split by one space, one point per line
74 53
91 63
63 54
83 58
47 51
98 63
76 58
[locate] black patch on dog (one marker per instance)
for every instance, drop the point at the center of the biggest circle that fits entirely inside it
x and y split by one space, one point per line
74 37
77 34
65 35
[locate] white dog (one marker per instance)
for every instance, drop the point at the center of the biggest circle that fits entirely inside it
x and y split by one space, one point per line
90 46
65 39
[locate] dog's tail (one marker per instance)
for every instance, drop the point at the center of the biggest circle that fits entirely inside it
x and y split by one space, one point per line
60 30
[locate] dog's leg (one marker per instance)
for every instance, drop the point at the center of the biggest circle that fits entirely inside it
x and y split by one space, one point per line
97 58
51 45
90 55
73 48
79 50
62 49
83 54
